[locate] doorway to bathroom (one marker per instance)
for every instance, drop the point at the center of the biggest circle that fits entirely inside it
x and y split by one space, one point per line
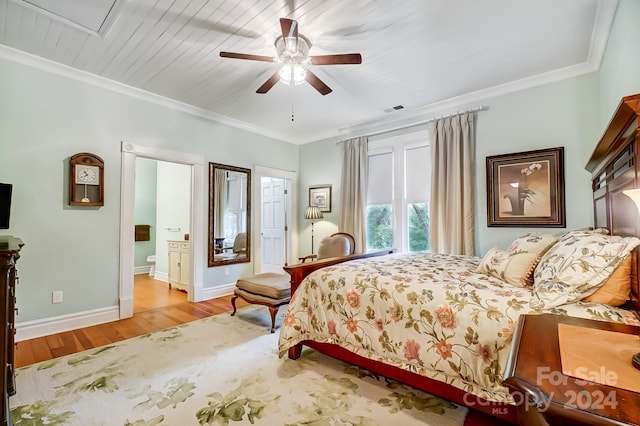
162 217
192 258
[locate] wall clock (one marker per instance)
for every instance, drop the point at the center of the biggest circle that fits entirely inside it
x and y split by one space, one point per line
86 180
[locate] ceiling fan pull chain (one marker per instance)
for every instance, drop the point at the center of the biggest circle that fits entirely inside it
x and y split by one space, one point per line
292 118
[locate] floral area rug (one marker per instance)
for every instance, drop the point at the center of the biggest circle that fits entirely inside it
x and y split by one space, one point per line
221 370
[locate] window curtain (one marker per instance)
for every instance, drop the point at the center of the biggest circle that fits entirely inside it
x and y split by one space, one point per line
452 214
353 190
220 202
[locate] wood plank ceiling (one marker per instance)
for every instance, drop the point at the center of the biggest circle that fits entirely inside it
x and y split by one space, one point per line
423 54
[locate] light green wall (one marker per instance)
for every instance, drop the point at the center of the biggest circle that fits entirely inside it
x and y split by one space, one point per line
322 162
145 209
619 74
572 113
557 114
46 118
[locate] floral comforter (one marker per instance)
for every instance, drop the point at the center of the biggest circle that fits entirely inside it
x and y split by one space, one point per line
426 313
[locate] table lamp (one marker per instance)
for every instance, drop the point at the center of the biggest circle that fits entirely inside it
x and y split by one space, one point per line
313 213
634 194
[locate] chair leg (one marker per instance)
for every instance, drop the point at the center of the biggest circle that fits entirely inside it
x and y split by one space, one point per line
273 311
233 303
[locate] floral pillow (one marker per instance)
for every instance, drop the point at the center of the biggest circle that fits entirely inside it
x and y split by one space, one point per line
533 243
584 231
512 267
576 266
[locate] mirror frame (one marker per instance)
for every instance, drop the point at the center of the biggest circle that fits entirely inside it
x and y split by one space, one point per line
211 242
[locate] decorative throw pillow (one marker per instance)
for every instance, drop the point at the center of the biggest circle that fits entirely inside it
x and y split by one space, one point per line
615 291
576 266
533 243
512 267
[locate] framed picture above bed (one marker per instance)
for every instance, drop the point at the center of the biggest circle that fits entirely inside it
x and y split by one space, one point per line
526 189
320 196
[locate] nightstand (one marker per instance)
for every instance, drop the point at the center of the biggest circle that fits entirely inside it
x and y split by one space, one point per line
547 396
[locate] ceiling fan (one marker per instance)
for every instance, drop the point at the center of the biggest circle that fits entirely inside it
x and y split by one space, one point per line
293 51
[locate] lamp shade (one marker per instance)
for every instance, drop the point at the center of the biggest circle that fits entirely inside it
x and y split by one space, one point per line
313 212
634 194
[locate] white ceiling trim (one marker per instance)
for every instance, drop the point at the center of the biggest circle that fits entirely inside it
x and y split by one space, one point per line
604 21
602 28
114 86
419 115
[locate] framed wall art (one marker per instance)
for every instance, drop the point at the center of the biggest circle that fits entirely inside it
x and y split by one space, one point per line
526 189
320 196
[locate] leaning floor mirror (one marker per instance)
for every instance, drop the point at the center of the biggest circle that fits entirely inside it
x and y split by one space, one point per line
229 214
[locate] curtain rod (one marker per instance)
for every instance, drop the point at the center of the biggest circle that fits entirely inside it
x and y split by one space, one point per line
407 126
453 114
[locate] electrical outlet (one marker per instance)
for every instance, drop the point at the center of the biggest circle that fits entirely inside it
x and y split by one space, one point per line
56 297
226 270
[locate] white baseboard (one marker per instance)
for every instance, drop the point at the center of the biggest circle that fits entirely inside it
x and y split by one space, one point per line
141 270
43 327
161 276
46 326
217 291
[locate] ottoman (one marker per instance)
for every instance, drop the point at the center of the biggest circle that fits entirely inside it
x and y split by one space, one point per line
268 289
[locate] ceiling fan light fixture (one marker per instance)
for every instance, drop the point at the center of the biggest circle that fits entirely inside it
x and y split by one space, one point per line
293 50
292 74
291 44
293 53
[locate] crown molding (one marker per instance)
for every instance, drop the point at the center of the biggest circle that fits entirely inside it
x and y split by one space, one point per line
604 19
62 70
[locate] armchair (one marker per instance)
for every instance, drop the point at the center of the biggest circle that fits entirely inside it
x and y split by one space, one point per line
238 250
335 245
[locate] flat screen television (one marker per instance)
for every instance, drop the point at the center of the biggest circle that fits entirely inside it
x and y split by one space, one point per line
5 205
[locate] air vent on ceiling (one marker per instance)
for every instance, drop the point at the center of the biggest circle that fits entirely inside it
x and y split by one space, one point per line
394 108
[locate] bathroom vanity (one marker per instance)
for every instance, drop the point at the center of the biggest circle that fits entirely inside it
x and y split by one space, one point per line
179 261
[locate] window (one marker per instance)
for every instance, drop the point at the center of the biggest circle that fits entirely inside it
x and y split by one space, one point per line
398 192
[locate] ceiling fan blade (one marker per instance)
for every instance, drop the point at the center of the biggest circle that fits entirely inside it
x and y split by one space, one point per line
247 56
269 83
347 58
289 27
317 84
289 31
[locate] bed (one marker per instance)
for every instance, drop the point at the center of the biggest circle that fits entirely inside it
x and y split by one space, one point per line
444 323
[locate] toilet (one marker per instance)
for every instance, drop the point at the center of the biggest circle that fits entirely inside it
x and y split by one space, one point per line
151 259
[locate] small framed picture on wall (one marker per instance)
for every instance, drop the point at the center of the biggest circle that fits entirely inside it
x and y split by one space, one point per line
320 196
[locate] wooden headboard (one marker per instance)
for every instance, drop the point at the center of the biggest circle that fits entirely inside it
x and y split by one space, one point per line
614 167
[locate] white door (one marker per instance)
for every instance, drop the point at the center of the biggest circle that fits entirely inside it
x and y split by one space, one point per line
173 211
272 223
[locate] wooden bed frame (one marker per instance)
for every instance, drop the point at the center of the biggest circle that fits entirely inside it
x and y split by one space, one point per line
614 165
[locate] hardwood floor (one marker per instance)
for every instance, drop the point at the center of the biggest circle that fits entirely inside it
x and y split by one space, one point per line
155 307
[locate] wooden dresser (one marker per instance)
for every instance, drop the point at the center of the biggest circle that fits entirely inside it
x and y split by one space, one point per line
9 254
